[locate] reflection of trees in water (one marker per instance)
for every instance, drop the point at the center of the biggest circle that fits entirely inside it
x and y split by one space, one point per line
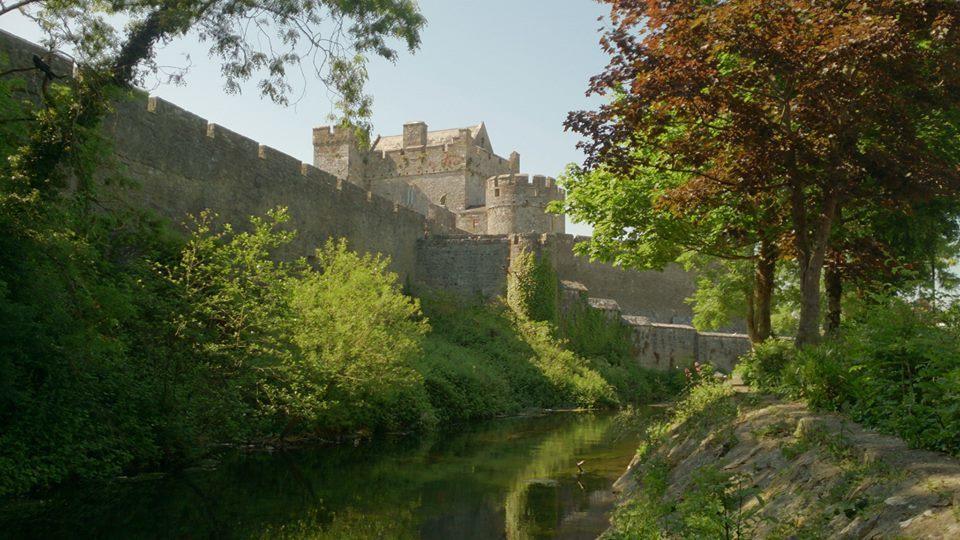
445 487
532 507
350 524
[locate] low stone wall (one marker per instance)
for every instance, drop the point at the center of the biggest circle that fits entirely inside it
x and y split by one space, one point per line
663 346
659 345
721 350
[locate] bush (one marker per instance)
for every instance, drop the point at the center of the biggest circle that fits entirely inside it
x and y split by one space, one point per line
894 366
762 368
590 333
357 336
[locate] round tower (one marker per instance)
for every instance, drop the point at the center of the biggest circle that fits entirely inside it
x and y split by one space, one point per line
517 203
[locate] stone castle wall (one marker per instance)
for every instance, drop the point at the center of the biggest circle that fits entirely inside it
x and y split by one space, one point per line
185 164
471 266
658 296
655 345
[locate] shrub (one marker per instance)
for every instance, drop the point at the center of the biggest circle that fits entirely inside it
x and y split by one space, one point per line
762 367
590 333
356 336
519 359
820 375
894 366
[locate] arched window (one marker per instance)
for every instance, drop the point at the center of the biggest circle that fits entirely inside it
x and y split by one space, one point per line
443 200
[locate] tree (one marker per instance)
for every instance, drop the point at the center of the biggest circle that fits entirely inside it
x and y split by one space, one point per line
816 105
880 250
649 217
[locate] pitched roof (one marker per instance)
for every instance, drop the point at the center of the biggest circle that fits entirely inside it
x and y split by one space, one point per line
441 136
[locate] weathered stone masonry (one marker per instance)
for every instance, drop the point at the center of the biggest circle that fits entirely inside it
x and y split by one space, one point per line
415 197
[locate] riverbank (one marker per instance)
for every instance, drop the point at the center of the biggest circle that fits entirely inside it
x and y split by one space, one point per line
735 464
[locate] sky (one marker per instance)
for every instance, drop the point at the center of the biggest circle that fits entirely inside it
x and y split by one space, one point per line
520 66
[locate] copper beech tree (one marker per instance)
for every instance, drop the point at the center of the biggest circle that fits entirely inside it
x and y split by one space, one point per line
808 106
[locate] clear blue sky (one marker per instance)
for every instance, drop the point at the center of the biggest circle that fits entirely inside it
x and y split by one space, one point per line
517 65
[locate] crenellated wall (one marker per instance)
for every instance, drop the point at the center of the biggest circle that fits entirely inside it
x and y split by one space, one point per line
185 164
658 296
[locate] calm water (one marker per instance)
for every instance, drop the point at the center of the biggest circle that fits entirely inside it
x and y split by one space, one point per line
511 478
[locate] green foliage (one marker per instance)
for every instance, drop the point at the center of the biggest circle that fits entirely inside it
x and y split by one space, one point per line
592 334
75 383
706 401
331 38
710 504
894 367
532 287
723 291
357 337
763 366
474 347
644 514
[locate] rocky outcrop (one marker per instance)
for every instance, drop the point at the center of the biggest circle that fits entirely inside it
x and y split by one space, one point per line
794 473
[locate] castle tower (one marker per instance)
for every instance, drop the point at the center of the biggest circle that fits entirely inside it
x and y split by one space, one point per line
517 203
336 151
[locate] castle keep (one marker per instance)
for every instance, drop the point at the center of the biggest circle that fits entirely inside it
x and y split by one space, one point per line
455 169
448 211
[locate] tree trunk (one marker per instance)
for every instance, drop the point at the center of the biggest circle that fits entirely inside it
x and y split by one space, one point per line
763 281
833 280
811 249
752 318
808 331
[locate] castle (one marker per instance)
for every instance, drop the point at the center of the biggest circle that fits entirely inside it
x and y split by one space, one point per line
449 212
455 169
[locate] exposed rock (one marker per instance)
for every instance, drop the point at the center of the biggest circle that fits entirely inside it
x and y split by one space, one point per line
818 475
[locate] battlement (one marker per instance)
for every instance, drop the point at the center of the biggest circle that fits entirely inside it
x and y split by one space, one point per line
513 179
330 135
511 188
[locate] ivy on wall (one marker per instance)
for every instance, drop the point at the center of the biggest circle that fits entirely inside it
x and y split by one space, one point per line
532 287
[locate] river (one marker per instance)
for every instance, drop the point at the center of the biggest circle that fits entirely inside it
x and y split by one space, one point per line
510 478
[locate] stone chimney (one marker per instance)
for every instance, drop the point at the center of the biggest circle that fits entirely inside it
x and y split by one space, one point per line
414 134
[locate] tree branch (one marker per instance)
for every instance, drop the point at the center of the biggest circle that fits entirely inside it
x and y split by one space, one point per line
12 7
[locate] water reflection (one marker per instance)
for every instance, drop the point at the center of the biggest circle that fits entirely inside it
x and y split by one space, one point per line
513 478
